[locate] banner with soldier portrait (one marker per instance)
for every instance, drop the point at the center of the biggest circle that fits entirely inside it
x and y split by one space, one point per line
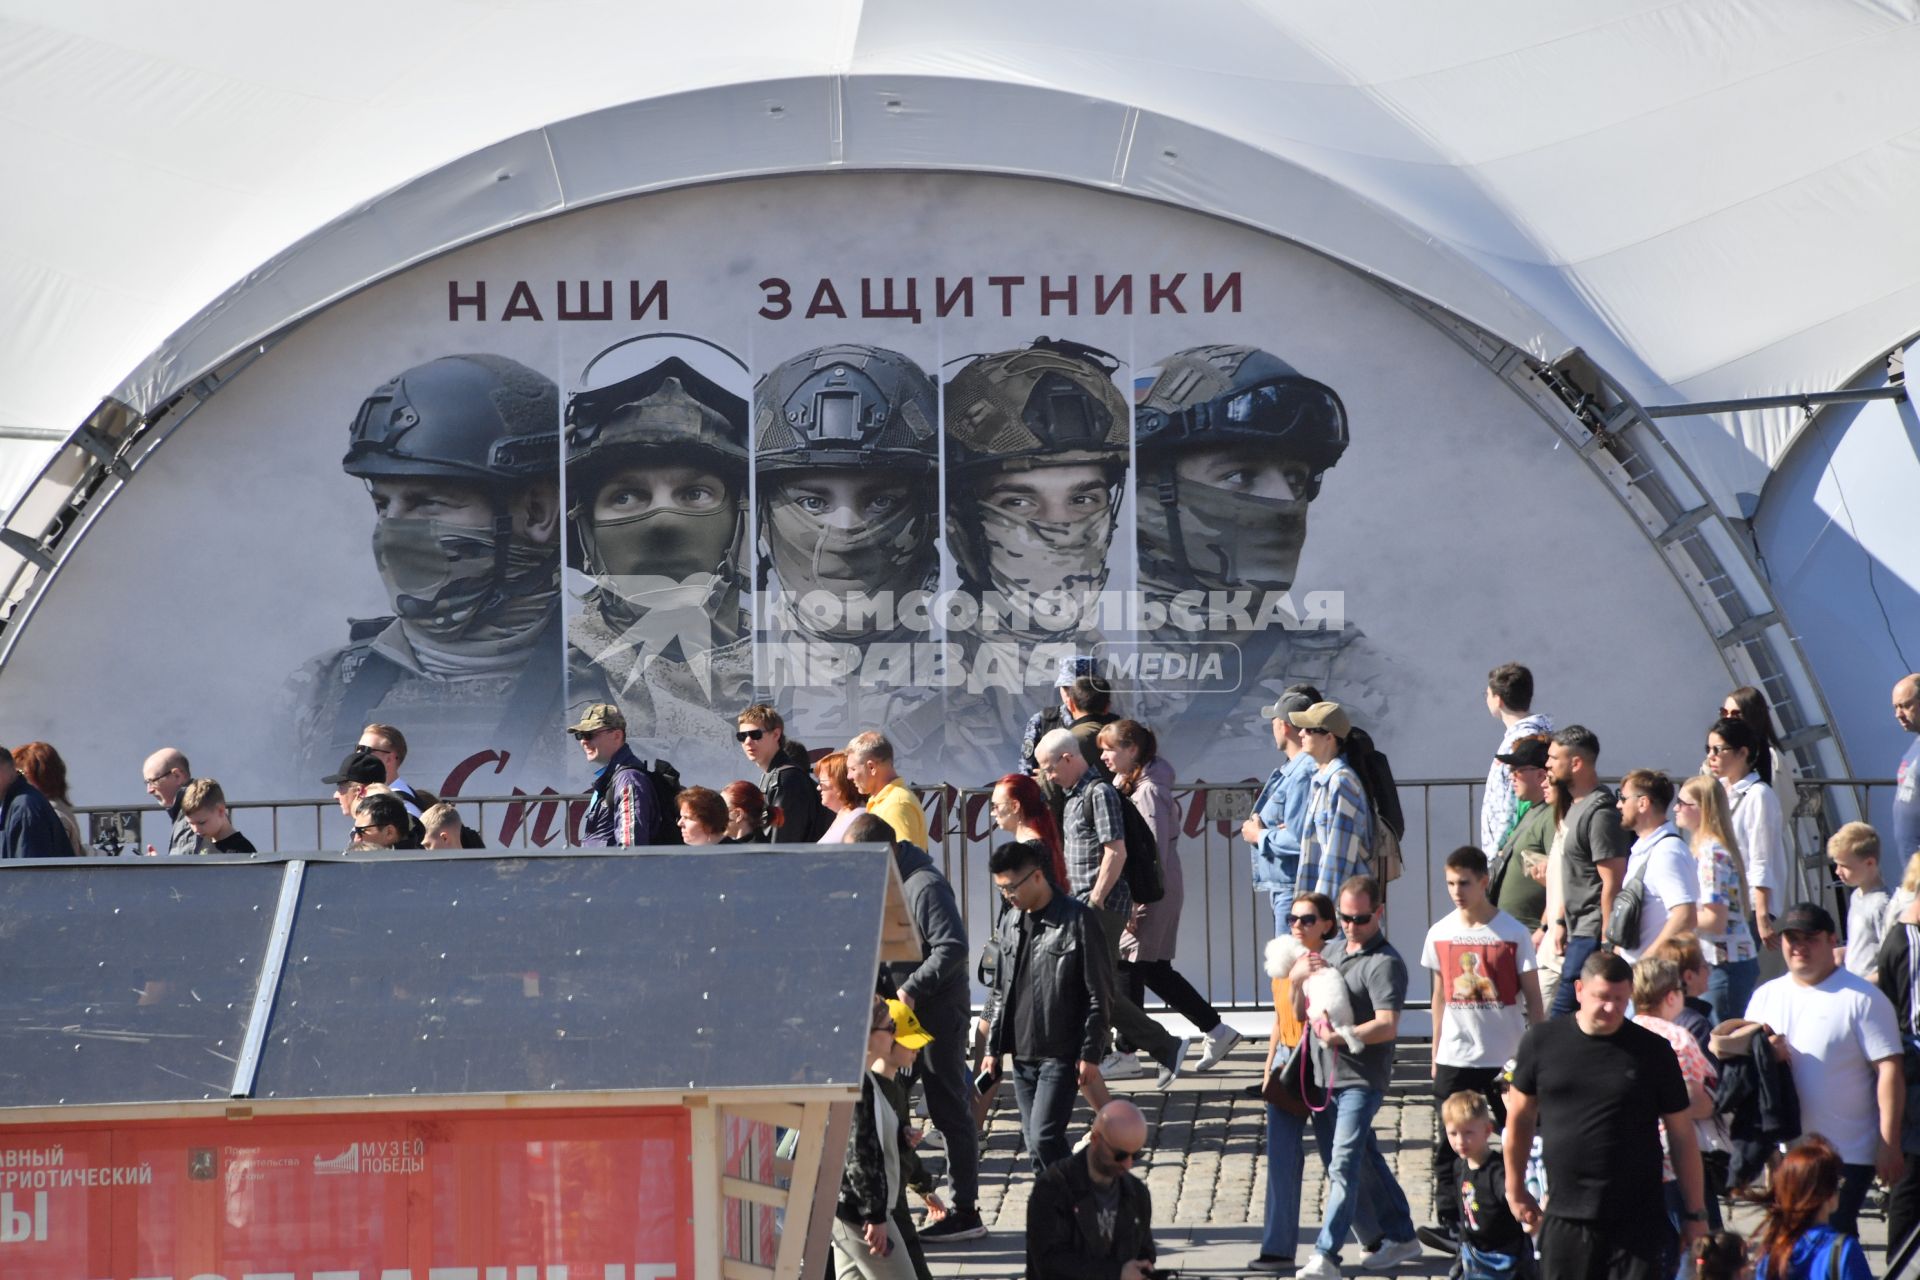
885 450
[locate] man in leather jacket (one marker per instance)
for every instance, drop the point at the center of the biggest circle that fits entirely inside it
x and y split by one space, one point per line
1050 1000
1089 1218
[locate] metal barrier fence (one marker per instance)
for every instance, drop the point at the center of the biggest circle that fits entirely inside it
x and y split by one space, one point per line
1225 922
547 820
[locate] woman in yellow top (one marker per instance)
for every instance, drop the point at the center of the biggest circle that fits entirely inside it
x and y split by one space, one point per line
1311 921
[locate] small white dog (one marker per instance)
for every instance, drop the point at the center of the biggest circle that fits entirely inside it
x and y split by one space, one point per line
1327 1000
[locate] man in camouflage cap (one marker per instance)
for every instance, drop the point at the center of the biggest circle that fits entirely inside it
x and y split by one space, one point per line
460 458
1232 444
657 498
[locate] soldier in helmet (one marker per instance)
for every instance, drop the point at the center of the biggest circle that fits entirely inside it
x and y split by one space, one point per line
460 459
1037 442
1231 445
846 451
657 495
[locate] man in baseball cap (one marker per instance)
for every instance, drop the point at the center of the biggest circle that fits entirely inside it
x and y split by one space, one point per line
622 810
349 782
1842 1040
1280 810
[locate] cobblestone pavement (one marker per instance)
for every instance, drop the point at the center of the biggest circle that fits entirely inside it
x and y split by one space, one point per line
1206 1168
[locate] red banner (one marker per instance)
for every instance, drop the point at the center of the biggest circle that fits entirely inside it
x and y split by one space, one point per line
561 1196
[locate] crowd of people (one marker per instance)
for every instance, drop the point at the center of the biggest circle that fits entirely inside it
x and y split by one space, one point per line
1635 989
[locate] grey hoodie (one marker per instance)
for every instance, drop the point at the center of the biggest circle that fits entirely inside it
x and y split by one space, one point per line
940 979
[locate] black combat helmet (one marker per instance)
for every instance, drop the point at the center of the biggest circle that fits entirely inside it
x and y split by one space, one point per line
845 405
1220 395
476 417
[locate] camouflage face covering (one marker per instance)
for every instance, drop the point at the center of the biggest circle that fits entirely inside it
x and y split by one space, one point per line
1051 564
810 555
1233 541
439 577
663 543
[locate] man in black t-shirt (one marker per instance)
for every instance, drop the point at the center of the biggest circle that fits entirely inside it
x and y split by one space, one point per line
1601 1088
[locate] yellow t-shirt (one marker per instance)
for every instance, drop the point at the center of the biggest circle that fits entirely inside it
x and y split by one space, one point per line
902 812
1285 1025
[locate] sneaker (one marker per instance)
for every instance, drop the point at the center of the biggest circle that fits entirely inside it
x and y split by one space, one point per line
1121 1066
1171 1072
1443 1239
1272 1264
1320 1267
1391 1254
960 1224
1220 1042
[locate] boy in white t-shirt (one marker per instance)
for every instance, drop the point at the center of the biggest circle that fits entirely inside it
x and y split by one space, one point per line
1854 851
1485 992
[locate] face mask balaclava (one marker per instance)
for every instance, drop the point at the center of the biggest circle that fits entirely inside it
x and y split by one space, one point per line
1051 566
1232 541
888 555
664 543
459 616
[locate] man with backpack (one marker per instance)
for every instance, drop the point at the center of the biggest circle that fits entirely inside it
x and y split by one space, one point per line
623 812
1093 835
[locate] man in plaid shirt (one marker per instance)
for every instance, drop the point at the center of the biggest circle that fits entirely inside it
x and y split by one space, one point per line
1339 834
1093 836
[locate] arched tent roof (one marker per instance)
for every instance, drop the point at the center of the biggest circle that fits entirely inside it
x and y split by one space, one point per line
1711 198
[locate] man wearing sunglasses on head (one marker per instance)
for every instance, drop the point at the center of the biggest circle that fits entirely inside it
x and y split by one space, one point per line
1088 1214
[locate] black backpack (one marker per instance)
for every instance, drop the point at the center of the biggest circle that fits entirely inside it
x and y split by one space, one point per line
1376 775
665 781
1144 880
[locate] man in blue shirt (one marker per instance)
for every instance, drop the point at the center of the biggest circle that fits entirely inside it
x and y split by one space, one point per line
621 813
1280 810
29 828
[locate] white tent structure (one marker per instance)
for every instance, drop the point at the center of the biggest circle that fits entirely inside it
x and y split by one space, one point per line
1633 202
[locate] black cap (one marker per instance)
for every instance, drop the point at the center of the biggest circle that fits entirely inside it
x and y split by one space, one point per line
1805 917
360 765
1287 704
1528 753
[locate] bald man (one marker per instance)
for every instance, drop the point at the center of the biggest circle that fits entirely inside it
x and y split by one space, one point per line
1906 796
165 773
1088 1214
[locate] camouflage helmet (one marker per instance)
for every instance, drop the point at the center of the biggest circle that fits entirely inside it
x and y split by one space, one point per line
476 417
1223 394
1051 402
845 405
668 404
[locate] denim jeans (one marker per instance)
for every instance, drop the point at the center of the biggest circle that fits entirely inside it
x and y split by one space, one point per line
1357 1173
1729 987
1281 896
1044 1089
1565 999
1286 1167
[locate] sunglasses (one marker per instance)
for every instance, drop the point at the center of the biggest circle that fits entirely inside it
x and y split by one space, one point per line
1357 919
1302 922
371 826
749 735
1318 733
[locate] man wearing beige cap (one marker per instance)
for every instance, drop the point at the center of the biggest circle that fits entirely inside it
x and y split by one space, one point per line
621 812
1339 829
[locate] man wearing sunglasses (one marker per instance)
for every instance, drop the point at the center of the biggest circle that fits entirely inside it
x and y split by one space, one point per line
1376 981
1089 1215
785 779
622 811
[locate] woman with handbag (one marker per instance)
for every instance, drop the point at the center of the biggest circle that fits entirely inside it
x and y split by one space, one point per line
1312 923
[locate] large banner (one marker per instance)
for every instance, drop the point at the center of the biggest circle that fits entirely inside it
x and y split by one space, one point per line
881 449
608 1197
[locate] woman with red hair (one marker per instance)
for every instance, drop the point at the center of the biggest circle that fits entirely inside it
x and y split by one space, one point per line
750 819
1019 808
1795 1241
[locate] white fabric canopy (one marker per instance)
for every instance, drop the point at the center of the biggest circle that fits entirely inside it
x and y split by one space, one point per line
1714 198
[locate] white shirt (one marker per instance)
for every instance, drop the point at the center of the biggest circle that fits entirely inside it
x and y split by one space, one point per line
1835 1032
1761 833
1672 880
1479 966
